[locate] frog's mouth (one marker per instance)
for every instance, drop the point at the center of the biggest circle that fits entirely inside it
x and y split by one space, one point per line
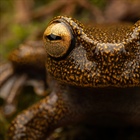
77 70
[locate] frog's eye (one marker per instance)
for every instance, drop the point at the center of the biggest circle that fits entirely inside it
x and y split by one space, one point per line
53 37
57 38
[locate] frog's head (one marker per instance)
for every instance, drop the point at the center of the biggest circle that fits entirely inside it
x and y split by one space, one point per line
93 57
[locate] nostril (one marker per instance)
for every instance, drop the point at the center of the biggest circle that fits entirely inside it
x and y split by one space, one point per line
53 37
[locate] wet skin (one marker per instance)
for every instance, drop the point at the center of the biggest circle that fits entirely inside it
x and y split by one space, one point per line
93 74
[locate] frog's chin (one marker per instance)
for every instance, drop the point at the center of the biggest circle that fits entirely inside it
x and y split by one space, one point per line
81 85
77 70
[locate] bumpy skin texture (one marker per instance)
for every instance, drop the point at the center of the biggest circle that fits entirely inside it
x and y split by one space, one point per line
102 56
98 78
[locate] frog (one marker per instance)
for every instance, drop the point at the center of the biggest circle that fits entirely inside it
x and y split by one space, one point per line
93 74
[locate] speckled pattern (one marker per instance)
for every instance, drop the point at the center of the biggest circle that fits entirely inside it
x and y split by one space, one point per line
98 78
101 57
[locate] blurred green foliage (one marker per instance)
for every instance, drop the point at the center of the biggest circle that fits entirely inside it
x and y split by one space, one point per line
12 34
100 3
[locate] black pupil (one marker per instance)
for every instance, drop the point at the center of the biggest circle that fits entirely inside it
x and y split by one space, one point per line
53 37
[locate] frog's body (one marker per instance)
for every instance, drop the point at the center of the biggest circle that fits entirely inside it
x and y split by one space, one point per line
94 73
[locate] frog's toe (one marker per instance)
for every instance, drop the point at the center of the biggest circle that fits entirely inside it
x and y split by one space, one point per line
9 91
12 80
39 86
6 70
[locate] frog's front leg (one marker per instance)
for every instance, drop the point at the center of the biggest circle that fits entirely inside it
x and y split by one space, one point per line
26 67
38 121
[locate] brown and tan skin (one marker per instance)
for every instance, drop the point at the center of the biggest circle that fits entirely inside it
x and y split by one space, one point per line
93 73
